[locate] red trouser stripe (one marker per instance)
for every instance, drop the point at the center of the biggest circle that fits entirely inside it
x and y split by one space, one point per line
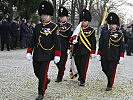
64 68
113 76
45 78
86 66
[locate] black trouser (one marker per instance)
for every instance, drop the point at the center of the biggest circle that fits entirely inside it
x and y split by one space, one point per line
61 65
82 62
14 42
41 72
109 68
129 49
2 46
25 41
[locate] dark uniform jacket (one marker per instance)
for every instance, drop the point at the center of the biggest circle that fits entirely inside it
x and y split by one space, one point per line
45 42
64 35
80 48
111 45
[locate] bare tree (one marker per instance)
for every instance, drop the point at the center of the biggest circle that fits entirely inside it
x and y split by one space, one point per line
73 6
62 2
54 4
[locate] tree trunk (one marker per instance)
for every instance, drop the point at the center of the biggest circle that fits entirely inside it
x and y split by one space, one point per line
54 3
90 5
73 6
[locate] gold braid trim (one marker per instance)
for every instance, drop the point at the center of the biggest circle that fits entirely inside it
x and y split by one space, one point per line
53 28
63 35
90 33
117 39
39 43
47 33
66 29
114 44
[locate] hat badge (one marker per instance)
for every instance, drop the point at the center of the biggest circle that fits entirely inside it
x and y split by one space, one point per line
42 6
83 13
111 18
61 10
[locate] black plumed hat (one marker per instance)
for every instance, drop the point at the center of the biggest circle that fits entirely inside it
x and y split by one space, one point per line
113 19
85 15
46 7
62 12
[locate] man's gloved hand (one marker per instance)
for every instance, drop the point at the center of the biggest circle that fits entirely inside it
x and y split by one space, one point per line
68 52
93 55
29 56
121 61
75 41
56 59
98 57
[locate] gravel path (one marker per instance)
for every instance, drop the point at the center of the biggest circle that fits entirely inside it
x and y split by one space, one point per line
18 82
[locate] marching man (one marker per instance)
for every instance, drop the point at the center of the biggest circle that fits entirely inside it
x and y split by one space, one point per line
45 46
84 45
111 49
65 32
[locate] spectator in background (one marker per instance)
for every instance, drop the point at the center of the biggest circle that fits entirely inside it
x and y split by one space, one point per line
26 33
5 32
15 33
130 41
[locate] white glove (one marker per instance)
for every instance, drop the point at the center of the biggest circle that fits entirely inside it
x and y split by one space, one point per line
98 57
56 59
93 55
29 56
75 41
121 61
68 51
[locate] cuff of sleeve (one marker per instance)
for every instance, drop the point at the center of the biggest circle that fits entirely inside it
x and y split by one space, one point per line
29 50
58 53
93 51
73 38
99 52
69 47
122 54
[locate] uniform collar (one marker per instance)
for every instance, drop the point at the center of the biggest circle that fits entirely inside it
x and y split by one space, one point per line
85 27
63 22
46 23
114 31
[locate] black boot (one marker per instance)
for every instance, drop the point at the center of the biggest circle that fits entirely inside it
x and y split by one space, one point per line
82 84
48 81
2 49
2 46
40 97
8 49
108 88
58 80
